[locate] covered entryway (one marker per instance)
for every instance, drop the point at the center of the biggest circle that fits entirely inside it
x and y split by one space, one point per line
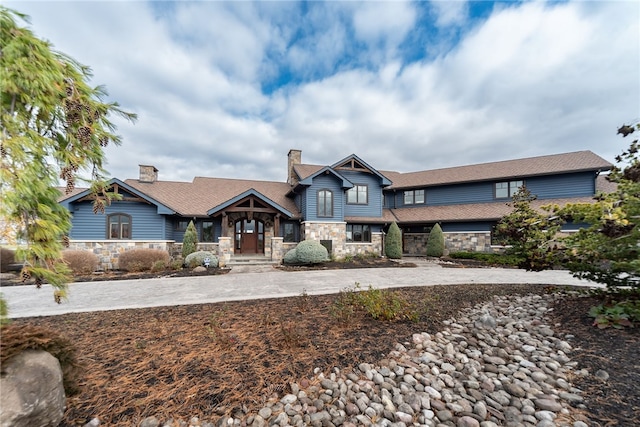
249 236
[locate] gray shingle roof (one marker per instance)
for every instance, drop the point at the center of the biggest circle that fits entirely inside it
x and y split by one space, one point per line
471 212
578 161
197 197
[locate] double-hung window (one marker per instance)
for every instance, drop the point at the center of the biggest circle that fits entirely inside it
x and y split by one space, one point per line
325 203
119 226
358 195
358 233
507 189
414 197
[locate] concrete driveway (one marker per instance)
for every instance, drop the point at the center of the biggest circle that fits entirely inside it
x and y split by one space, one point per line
255 283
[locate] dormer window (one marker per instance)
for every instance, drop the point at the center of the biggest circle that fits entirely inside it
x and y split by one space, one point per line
505 190
414 197
358 195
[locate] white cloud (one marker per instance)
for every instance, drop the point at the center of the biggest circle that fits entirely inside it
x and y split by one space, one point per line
532 79
449 13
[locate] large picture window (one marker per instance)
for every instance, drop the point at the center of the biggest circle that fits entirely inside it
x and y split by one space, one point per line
358 233
119 226
289 232
358 195
413 197
507 189
207 232
325 203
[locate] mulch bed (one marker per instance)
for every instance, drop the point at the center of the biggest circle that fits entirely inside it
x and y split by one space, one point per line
212 360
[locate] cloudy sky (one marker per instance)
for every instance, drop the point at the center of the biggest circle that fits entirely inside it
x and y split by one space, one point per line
225 89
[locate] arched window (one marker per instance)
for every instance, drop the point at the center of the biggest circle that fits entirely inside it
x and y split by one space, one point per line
119 226
325 203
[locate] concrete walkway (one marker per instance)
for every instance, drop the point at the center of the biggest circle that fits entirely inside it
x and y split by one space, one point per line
255 283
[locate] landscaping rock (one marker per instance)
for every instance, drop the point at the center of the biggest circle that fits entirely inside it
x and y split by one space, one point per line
31 391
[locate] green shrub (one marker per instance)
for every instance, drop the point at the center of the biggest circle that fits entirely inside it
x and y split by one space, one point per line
290 257
137 260
311 252
81 262
196 259
489 258
435 242
382 304
393 242
176 264
190 240
158 266
7 256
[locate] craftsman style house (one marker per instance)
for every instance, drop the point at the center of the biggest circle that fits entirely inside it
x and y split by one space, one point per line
347 206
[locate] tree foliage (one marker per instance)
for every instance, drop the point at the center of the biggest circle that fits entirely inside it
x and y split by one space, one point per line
607 251
54 126
435 242
531 235
189 241
393 242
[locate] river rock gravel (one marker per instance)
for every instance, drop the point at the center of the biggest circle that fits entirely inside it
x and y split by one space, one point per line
498 364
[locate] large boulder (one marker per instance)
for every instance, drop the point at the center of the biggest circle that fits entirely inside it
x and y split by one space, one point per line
31 391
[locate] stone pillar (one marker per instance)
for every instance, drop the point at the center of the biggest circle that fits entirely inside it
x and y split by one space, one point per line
277 248
225 248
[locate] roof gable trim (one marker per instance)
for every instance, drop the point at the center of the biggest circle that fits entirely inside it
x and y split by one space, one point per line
345 183
355 163
162 209
249 193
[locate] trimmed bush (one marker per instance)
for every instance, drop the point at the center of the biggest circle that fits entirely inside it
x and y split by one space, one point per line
137 260
307 252
7 256
393 242
311 252
190 240
290 257
81 262
196 259
435 243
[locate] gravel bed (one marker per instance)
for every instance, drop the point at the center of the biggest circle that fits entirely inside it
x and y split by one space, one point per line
498 364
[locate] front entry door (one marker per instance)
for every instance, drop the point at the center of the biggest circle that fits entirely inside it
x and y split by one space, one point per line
249 236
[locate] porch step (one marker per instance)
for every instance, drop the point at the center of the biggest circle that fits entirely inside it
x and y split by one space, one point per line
250 260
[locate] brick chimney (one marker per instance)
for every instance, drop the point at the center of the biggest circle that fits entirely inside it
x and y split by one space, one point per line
148 174
294 158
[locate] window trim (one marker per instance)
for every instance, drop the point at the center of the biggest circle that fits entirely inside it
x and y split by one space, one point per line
328 213
512 188
119 215
413 197
177 226
213 231
295 232
365 231
355 189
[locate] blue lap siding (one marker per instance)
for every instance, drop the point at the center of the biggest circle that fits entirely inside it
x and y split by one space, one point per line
146 224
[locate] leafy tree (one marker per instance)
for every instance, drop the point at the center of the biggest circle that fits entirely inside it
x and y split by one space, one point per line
54 126
393 242
531 235
189 241
435 242
608 251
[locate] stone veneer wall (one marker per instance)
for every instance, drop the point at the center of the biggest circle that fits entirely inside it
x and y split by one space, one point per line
279 248
337 233
375 246
479 241
108 251
334 231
